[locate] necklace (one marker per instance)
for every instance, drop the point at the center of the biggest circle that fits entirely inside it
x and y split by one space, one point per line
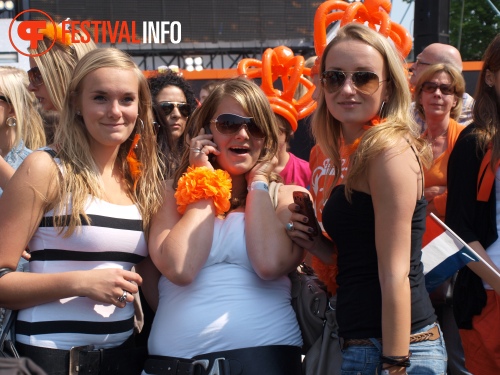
432 140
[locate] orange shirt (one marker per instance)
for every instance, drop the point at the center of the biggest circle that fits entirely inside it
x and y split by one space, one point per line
436 175
322 177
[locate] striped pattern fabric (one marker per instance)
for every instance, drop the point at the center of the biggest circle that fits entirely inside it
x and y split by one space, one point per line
113 239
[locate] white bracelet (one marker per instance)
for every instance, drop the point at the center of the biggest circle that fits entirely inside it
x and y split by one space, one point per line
258 185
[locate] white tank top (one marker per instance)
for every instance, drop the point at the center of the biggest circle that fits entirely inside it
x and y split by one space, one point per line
228 306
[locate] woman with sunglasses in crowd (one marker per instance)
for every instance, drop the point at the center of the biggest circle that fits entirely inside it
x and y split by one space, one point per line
52 64
83 210
472 213
174 102
222 248
376 217
21 128
438 99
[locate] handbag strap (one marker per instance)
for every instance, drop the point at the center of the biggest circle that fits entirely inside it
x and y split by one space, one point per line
274 188
9 321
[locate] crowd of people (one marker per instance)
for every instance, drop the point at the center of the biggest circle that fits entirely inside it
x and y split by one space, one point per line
148 231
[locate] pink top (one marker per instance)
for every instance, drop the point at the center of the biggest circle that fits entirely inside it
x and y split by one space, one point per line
296 172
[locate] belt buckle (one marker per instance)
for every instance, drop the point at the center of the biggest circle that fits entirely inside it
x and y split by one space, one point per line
215 367
74 358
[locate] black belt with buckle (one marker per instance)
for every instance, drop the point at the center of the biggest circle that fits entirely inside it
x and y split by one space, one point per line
122 360
255 360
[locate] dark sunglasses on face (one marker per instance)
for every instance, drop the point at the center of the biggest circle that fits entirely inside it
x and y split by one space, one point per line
431 87
168 107
35 77
364 82
228 124
4 99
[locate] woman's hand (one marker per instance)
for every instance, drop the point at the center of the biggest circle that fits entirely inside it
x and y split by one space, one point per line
200 148
109 285
433 191
261 171
300 231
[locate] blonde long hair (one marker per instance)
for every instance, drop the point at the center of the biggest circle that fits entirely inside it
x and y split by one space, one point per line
56 65
81 176
396 112
29 125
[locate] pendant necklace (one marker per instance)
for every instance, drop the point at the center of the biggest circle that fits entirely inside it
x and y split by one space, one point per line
432 140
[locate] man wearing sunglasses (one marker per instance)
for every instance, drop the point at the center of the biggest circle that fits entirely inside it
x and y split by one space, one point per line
439 53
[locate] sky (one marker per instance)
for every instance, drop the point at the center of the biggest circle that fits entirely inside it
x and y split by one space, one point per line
403 13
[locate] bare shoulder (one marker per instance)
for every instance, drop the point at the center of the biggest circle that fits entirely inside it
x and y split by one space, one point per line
38 169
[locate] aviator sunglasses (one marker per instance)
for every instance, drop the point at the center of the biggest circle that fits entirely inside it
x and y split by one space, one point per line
168 107
228 124
431 87
364 82
35 77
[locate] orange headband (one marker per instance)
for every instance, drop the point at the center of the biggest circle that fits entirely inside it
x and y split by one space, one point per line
57 34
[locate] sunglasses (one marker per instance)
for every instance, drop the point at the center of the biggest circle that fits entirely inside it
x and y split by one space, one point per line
431 87
35 77
4 99
168 107
364 82
228 124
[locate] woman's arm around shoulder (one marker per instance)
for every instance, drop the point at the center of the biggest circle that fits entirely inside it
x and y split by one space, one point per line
179 245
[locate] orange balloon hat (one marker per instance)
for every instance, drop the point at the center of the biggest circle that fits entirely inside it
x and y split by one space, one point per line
374 13
280 62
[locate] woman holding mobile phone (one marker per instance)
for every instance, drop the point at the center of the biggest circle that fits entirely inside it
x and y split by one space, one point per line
222 247
376 217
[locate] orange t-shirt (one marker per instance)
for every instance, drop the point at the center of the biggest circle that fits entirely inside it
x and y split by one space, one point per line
437 175
322 176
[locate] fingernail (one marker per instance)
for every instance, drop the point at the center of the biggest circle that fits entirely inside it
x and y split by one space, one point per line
297 208
305 220
310 230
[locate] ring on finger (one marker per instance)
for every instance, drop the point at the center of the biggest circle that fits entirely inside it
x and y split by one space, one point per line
196 150
289 226
123 297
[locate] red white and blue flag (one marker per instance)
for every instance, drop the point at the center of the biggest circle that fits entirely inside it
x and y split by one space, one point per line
443 253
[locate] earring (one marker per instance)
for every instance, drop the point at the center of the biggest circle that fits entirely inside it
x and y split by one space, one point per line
380 111
11 121
78 113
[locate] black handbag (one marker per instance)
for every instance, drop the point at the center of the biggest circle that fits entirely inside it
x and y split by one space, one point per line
7 347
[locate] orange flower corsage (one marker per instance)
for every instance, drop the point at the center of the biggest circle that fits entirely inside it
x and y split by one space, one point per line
202 183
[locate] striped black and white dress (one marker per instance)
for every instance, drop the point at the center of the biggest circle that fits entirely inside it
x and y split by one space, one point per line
114 239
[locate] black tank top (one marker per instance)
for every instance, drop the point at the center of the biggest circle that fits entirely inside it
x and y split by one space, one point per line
359 301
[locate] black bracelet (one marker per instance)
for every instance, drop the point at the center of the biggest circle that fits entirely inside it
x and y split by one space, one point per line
5 271
396 361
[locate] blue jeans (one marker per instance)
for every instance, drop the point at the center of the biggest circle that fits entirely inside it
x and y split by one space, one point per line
428 357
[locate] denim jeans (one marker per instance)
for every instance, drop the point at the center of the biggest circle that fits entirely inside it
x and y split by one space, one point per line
428 357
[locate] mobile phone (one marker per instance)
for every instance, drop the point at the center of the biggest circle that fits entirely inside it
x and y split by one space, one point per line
211 157
303 200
